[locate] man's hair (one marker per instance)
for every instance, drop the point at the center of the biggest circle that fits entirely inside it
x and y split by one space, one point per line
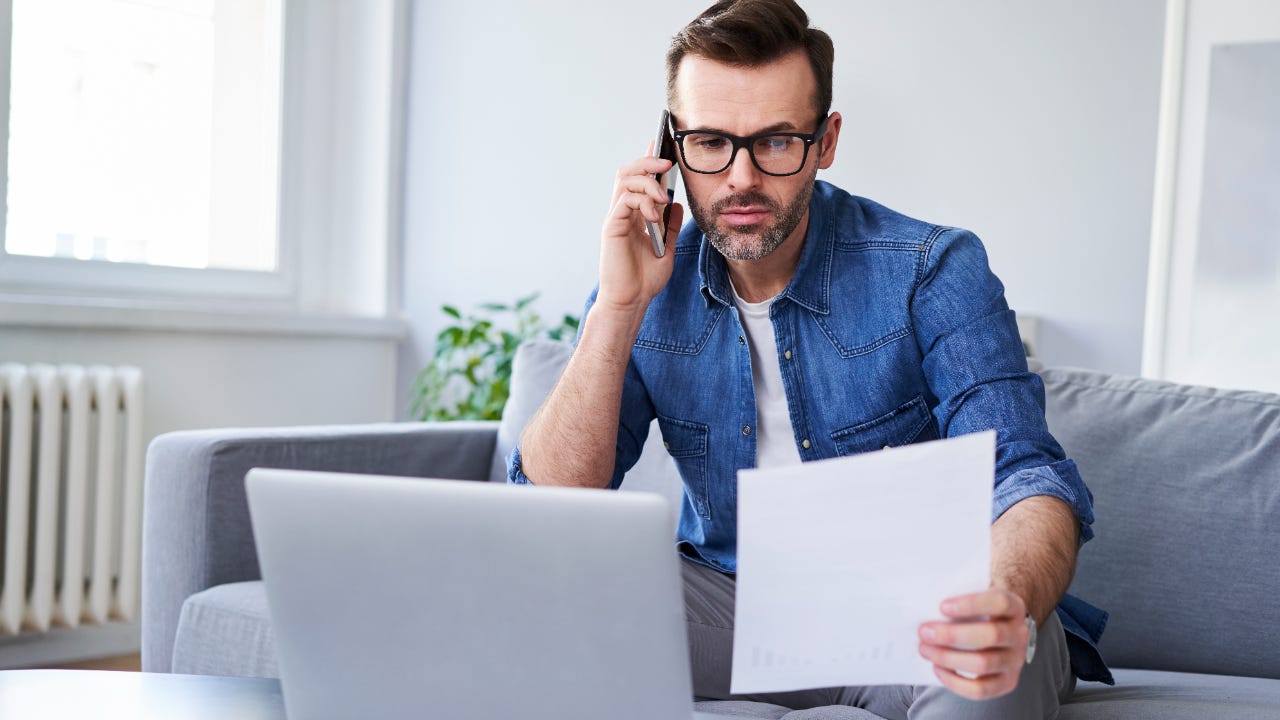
752 33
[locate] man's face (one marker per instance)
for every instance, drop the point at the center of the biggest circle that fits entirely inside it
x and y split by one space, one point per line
746 214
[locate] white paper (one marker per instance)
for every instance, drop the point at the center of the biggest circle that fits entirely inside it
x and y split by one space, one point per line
840 561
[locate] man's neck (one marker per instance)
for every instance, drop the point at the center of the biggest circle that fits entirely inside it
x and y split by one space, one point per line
760 280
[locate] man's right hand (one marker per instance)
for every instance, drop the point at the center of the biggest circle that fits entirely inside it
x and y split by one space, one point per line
630 274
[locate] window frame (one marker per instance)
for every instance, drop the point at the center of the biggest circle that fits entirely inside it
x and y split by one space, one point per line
1190 32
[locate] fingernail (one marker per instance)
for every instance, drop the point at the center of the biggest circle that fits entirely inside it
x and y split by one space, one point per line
949 607
928 633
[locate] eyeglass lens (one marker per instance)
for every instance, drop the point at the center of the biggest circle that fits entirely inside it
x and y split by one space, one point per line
777 154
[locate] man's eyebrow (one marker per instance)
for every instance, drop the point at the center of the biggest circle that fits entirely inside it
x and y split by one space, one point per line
777 127
784 126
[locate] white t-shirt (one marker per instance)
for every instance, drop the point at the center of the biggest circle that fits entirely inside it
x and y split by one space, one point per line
775 438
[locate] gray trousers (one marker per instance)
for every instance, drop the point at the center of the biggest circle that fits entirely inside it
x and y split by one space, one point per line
708 600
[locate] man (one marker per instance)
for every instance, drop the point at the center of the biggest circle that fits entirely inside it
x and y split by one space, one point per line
793 322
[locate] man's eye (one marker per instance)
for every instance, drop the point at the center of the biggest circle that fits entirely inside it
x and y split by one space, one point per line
709 143
775 144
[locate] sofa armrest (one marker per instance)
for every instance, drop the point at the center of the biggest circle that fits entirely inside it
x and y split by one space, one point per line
196 531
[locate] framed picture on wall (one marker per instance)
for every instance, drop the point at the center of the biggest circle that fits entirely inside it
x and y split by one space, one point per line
1213 309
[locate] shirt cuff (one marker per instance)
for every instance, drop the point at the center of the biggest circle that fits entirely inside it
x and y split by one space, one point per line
1060 480
515 473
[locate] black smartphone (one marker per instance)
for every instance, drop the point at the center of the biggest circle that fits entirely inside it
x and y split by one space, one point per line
664 146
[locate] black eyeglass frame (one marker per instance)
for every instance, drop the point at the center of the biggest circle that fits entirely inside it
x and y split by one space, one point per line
749 143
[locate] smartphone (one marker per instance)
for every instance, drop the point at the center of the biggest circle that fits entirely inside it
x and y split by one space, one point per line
664 147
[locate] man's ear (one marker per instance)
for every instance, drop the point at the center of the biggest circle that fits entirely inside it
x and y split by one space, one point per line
827 145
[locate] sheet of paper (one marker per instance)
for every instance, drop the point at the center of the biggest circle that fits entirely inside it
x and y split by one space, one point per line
839 561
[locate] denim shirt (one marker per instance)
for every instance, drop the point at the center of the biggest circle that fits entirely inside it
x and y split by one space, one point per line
892 331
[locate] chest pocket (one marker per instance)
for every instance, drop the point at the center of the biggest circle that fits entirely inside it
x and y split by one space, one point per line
910 423
686 442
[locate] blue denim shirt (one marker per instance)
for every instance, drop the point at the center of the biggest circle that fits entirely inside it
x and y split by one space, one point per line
892 331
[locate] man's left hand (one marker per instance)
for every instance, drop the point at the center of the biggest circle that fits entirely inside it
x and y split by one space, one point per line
978 653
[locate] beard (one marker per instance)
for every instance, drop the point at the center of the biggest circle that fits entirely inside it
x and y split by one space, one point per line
751 242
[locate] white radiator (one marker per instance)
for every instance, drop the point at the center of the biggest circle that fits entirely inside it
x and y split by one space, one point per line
71 453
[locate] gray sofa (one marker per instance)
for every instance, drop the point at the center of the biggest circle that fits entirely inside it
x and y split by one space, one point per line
1186 559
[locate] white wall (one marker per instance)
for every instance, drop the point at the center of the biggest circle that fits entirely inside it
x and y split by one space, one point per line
229 379
1031 123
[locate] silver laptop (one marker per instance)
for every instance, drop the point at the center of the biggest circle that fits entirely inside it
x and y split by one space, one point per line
406 598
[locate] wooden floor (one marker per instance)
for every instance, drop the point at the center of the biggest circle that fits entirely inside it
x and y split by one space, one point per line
129 663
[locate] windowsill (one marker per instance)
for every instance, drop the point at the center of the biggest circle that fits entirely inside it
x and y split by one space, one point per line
135 315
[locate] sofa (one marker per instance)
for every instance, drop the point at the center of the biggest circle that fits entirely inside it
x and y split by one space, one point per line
1186 558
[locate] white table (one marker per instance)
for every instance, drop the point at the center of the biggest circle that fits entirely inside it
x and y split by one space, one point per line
104 695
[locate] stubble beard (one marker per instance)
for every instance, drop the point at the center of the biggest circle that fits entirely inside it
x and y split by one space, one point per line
751 242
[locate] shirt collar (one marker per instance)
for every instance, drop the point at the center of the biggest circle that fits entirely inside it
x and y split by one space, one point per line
810 287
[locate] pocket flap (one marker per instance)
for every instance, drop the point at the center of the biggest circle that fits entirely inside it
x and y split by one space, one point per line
902 426
683 438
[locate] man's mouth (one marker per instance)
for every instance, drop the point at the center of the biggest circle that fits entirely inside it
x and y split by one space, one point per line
739 216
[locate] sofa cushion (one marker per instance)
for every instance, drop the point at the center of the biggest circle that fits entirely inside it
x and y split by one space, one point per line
226 630
765 711
534 371
1138 695
1186 485
1157 695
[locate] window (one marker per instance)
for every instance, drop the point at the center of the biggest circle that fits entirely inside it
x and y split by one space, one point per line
238 155
145 132
1214 289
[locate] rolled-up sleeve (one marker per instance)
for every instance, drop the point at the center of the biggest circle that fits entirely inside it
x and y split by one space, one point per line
515 473
976 367
1059 479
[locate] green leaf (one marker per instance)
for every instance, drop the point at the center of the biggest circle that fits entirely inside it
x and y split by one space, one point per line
469 375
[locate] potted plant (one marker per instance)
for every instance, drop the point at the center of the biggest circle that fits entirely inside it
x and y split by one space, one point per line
469 377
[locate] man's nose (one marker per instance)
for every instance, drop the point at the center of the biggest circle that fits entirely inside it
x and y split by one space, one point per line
743 173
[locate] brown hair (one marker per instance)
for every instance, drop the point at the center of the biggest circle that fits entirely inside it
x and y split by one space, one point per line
752 33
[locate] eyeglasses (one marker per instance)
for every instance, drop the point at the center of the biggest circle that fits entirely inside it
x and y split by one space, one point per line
777 153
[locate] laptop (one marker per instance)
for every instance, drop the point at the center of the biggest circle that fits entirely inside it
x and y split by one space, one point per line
411 598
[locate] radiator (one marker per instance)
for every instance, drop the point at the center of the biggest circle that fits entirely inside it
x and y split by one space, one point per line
71 453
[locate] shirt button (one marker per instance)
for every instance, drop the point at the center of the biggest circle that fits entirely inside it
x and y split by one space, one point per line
742 340
787 354
886 447
746 429
804 444
666 445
